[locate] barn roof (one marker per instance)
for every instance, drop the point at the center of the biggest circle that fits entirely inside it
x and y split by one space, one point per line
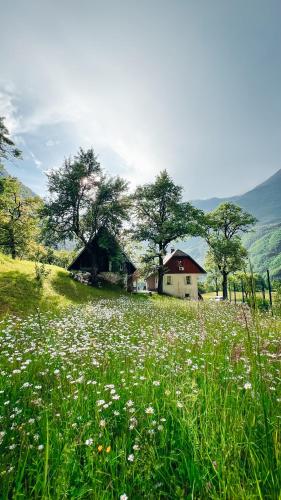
83 250
181 255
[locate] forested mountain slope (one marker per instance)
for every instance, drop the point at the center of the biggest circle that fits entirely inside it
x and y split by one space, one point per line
264 243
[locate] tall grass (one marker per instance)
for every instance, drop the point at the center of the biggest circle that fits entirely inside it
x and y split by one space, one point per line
141 398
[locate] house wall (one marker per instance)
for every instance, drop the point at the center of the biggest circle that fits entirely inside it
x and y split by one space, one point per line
178 286
151 283
114 278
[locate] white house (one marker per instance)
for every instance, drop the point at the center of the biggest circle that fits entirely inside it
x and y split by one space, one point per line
181 274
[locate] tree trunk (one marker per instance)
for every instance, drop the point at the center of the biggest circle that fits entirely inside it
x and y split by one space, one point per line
224 285
160 276
217 288
13 245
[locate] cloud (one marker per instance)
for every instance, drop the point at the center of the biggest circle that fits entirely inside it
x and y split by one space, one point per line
182 86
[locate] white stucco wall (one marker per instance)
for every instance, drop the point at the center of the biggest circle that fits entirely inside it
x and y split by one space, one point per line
179 288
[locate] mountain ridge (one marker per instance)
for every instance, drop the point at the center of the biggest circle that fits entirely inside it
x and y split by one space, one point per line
263 201
26 191
264 242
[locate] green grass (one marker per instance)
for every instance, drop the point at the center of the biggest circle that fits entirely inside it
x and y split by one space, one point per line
146 397
149 398
212 295
20 294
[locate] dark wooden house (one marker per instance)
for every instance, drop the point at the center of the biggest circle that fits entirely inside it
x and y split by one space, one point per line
111 262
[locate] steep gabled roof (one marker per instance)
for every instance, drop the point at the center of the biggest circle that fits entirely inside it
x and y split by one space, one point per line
83 250
175 253
181 255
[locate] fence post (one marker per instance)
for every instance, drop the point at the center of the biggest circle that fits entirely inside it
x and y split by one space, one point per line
269 289
234 290
229 291
263 292
242 288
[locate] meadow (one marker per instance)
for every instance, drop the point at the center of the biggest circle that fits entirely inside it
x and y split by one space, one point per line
140 397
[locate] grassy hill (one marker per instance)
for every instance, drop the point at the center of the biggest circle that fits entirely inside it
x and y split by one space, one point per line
21 295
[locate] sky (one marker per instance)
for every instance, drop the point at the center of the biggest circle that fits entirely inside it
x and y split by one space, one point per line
191 86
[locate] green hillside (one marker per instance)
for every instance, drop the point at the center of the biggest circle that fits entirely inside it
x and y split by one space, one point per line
264 243
19 293
264 247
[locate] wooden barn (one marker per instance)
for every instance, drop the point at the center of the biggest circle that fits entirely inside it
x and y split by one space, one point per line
110 261
181 273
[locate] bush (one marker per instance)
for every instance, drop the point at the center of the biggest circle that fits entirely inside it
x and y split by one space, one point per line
258 303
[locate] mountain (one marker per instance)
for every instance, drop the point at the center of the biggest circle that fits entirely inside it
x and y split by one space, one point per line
264 201
264 242
26 191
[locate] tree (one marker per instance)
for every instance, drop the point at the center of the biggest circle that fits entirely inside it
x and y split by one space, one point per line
223 228
83 200
18 218
8 150
214 275
162 217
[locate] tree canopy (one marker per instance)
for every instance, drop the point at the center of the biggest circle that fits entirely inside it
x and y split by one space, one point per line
8 150
83 200
19 218
222 231
162 217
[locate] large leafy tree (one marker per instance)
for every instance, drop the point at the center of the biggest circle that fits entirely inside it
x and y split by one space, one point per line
223 229
8 150
19 218
214 276
162 217
83 200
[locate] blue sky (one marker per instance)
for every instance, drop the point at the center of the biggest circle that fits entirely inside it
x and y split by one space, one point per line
192 86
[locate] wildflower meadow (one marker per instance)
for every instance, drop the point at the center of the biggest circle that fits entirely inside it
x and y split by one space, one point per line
131 398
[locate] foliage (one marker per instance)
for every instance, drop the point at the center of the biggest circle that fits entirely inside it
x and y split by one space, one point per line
83 200
223 228
264 247
277 302
142 398
8 150
41 273
49 255
162 217
19 220
214 275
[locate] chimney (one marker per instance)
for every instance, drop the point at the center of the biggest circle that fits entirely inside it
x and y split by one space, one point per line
172 250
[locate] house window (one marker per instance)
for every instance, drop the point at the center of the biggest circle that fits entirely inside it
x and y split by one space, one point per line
121 268
188 280
180 265
169 280
187 295
110 266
